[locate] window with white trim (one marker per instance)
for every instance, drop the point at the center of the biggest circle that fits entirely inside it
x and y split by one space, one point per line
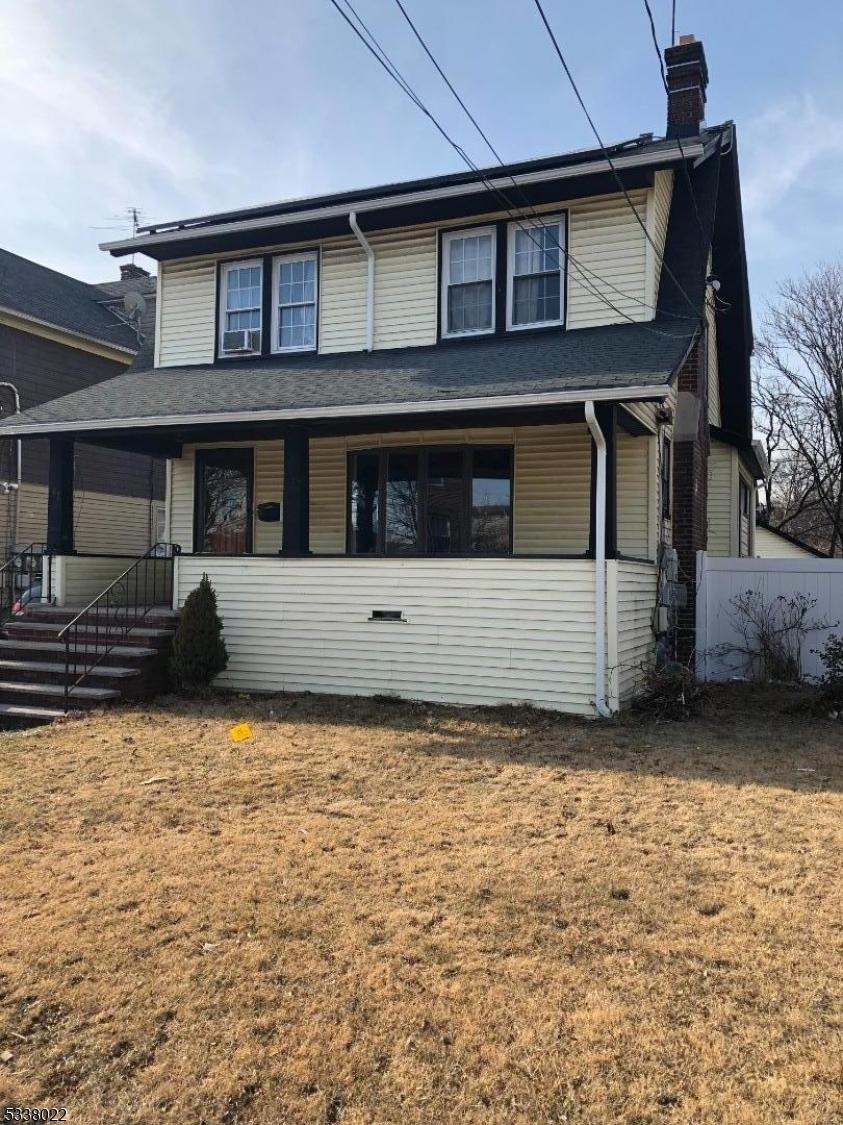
535 284
241 290
468 282
295 295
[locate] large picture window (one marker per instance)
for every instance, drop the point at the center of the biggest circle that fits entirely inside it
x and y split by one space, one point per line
453 500
468 282
223 501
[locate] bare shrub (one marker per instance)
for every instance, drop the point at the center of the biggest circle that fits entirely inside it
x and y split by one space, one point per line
772 634
671 693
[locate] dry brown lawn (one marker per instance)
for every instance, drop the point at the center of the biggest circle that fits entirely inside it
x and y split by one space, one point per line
379 912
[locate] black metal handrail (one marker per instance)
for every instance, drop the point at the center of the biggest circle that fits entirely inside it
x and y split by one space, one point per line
106 621
22 571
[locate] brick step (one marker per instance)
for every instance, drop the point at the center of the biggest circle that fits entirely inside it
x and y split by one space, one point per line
11 649
53 694
18 715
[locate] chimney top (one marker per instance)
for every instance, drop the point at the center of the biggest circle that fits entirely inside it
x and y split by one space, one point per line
687 80
130 270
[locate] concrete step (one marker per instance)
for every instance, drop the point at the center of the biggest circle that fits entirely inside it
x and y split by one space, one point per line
20 627
158 616
30 649
79 696
17 715
57 668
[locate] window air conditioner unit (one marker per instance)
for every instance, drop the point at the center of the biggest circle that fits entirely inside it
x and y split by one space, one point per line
244 340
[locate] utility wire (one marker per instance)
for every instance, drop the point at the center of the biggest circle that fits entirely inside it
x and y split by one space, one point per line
611 163
525 203
380 54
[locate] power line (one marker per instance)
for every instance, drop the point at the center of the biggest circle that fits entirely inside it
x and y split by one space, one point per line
611 163
392 70
526 205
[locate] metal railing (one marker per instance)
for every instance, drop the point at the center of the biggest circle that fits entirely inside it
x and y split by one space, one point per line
24 580
142 588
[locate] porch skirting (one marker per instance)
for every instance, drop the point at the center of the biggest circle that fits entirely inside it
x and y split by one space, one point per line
472 631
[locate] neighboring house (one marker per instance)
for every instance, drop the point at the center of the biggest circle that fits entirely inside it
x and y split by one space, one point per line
773 543
59 335
437 438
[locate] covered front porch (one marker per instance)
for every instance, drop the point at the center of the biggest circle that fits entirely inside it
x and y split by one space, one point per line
465 558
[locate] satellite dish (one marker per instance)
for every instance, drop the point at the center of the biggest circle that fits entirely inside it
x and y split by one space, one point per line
134 305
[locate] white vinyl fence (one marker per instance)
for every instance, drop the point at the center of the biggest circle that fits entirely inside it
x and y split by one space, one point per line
719 580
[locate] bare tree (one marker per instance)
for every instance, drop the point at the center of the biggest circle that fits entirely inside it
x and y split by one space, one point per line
798 401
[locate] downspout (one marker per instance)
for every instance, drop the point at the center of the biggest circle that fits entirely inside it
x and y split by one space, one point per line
14 390
370 280
603 709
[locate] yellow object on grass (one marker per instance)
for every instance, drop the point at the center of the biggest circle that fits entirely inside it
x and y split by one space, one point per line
240 732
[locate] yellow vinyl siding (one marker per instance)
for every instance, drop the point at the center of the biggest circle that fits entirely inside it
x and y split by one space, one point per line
722 499
186 309
658 215
604 237
342 312
634 495
103 522
714 416
631 601
476 631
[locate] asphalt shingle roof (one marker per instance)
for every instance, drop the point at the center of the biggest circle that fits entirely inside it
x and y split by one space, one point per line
611 357
35 291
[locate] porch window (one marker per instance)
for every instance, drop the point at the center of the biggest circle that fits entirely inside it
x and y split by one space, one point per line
224 489
295 287
455 500
241 286
665 476
468 282
535 291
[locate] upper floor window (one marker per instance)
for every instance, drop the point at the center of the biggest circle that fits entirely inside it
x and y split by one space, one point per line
468 282
295 288
240 320
534 283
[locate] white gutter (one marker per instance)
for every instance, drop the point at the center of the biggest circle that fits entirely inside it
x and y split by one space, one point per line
14 390
364 410
370 280
176 231
600 703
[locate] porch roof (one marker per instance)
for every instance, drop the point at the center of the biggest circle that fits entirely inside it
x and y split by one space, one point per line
632 361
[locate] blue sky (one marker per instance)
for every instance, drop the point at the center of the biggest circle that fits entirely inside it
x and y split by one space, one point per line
188 107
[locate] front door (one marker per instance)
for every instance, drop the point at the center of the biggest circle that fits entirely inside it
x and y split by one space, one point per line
224 488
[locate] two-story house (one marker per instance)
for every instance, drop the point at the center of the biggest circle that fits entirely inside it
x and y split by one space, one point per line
458 438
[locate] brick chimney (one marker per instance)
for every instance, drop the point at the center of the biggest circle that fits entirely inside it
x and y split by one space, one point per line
130 270
687 79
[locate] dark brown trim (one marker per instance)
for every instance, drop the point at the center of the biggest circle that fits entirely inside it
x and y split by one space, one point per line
423 451
244 454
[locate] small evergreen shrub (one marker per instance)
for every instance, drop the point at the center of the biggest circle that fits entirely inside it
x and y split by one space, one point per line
199 652
831 684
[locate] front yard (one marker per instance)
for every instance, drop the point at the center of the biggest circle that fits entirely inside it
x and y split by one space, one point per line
379 912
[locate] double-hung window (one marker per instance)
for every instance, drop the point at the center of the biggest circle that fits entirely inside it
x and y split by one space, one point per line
295 297
468 282
241 290
535 288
